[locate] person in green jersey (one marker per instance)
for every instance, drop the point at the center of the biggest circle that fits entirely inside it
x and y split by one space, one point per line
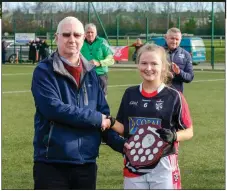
97 50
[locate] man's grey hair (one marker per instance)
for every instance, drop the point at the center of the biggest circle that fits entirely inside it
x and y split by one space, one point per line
66 20
90 25
173 30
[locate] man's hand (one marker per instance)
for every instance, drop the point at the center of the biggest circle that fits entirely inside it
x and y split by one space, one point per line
175 68
167 135
95 63
105 123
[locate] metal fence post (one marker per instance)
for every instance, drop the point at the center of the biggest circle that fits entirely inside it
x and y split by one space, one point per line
51 35
14 31
100 23
212 37
117 23
89 14
147 29
178 22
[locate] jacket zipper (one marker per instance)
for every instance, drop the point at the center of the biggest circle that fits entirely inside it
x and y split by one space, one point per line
78 104
50 133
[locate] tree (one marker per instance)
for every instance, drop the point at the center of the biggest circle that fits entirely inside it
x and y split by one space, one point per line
190 26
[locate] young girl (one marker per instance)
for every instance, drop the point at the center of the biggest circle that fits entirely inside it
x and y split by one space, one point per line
154 102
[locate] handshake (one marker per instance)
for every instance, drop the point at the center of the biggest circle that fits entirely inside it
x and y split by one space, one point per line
107 122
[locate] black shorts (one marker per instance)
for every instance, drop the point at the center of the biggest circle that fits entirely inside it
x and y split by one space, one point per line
104 82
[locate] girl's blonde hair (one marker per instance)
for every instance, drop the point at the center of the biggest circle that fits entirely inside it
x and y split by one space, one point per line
161 51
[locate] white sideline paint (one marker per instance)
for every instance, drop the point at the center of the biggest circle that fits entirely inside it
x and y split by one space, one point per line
21 74
113 86
112 70
16 74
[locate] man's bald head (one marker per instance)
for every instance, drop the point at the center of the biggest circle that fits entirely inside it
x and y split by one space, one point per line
70 38
73 20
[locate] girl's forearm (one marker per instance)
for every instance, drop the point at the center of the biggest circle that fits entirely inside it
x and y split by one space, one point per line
118 127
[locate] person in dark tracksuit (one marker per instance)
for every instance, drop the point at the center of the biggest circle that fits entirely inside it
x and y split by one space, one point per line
71 115
4 45
43 50
32 51
180 59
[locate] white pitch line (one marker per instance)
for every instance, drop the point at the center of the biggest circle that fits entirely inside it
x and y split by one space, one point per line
115 70
112 86
12 92
16 74
214 80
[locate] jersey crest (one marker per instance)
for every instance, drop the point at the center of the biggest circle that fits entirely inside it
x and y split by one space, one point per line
159 104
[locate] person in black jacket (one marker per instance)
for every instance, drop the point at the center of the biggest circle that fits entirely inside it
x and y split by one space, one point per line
32 51
37 46
4 45
180 59
43 50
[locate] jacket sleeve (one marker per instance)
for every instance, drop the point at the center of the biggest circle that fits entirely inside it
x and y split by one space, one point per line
187 74
111 137
108 61
48 103
114 140
108 54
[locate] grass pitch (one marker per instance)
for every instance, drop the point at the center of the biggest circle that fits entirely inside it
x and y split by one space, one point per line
202 159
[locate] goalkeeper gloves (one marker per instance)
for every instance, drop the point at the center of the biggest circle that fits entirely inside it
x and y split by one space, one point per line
167 135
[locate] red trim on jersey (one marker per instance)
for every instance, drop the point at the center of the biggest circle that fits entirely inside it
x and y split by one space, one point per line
129 174
154 93
149 95
185 114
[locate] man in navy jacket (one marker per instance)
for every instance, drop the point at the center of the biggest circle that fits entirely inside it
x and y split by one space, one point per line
71 112
180 59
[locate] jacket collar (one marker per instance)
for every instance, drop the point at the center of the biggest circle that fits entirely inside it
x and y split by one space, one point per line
58 65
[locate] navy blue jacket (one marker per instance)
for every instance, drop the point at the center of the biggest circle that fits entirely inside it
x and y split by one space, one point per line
183 59
68 119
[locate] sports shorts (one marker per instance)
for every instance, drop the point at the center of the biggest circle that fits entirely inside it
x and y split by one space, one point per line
166 175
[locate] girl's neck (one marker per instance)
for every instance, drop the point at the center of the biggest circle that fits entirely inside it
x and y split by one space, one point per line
150 87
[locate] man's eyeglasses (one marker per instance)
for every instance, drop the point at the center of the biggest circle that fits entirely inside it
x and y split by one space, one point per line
67 35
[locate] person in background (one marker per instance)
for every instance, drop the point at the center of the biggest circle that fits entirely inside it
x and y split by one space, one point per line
32 51
37 46
71 112
181 61
96 50
30 48
43 50
137 46
153 102
4 46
